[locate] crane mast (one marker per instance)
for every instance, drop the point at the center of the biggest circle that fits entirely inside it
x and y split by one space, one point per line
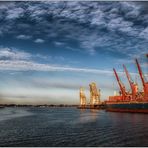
122 87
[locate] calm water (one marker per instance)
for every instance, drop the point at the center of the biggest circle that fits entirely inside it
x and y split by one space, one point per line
71 127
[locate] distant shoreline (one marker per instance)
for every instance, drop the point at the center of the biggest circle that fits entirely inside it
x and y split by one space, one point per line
45 105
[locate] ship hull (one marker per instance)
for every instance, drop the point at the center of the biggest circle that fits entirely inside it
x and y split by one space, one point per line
127 107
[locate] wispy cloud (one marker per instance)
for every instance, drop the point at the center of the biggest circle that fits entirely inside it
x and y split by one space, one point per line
33 66
16 60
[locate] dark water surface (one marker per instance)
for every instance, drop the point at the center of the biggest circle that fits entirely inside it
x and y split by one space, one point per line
71 127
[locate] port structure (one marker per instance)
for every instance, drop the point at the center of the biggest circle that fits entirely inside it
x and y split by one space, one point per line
135 94
94 94
82 97
144 83
95 102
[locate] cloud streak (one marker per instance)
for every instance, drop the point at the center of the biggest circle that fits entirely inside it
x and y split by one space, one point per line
33 66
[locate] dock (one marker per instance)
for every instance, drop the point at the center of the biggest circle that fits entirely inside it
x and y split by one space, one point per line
99 106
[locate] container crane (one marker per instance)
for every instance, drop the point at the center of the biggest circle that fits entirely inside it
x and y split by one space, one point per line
144 83
134 86
122 87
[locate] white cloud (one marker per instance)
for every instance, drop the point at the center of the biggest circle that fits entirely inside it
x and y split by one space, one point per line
23 37
144 33
15 13
13 54
59 43
118 23
98 18
39 41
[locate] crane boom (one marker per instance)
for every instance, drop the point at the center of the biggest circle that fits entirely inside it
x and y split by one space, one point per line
145 84
128 76
140 72
134 86
122 87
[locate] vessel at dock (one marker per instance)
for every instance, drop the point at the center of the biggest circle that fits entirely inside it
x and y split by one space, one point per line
134 101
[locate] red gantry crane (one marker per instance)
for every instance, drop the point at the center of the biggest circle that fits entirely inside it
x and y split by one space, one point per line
122 87
134 86
144 83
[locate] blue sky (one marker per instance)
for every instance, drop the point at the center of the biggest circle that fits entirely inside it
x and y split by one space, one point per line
49 49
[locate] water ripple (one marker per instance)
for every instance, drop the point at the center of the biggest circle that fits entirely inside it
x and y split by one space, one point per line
71 127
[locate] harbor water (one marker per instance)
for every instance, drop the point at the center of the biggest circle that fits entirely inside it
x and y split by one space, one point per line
20 126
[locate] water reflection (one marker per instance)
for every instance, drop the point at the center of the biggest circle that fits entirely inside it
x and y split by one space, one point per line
88 115
94 113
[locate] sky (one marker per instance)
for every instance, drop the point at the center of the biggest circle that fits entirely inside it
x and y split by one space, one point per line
49 49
